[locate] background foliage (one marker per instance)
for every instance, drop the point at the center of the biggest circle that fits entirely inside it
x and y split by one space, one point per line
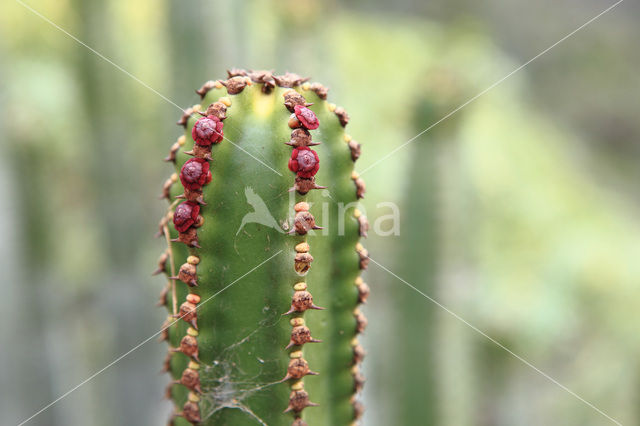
520 213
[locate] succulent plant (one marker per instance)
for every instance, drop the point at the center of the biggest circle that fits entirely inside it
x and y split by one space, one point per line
263 305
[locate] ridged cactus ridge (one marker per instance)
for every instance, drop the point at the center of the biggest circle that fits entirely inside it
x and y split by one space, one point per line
263 269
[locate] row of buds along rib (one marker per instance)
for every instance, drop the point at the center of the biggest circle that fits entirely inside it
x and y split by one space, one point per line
361 286
194 175
305 163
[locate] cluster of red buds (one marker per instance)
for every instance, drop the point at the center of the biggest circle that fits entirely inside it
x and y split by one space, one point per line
196 172
194 175
304 161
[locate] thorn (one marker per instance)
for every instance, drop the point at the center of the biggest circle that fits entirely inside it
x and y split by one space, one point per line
315 340
314 143
173 278
312 373
289 345
288 312
193 283
285 378
180 197
191 153
157 272
317 227
318 307
196 245
193 323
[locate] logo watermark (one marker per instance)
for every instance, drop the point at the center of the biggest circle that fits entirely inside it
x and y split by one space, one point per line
386 223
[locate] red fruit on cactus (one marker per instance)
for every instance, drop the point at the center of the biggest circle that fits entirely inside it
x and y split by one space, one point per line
306 117
195 173
304 162
186 214
207 131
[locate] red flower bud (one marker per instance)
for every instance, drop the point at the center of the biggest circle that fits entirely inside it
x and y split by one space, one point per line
195 173
304 162
306 117
207 131
186 214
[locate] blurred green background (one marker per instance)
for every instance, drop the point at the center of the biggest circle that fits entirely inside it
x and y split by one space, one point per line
519 213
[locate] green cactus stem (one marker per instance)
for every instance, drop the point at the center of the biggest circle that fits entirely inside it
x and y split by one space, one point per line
262 300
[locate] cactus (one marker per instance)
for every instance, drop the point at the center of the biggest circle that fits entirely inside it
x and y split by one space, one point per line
263 313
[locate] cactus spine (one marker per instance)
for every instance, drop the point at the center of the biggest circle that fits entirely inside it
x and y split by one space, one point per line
247 342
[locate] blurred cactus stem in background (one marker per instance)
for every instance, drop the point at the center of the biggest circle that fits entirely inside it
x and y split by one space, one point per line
263 306
432 348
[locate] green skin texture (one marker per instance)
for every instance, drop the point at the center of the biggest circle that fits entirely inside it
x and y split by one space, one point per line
242 333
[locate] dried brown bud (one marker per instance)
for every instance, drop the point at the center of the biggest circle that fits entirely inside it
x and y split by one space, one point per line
342 116
200 151
162 263
363 292
166 364
236 72
189 346
164 333
355 148
187 274
304 222
172 153
218 110
202 91
364 258
298 401
289 80
194 195
358 380
361 322
191 380
162 299
191 412
363 223
301 301
168 391
297 369
166 189
302 263
319 90
263 77
235 85
358 354
189 313
301 335
304 185
301 137
185 117
360 187
189 237
358 410
293 98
